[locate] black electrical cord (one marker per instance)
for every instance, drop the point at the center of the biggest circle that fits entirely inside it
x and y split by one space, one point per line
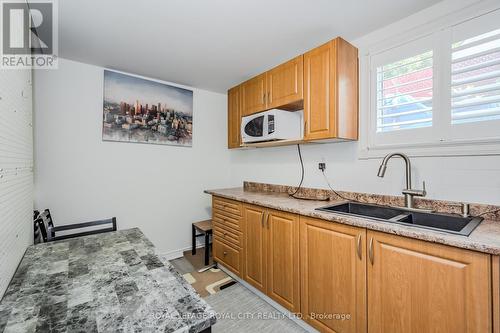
331 188
489 212
302 176
302 180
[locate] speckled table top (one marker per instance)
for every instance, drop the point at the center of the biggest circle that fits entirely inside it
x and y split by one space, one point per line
112 282
485 238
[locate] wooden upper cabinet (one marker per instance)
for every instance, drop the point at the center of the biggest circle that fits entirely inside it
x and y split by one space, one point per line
281 87
319 96
416 286
233 118
331 92
253 95
323 82
283 279
333 275
284 84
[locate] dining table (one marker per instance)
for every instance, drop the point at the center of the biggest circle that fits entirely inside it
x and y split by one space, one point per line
108 282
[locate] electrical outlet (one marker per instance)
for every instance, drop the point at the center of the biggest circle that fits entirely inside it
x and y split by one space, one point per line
322 166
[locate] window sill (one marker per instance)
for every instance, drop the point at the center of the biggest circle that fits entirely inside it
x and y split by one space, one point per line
477 148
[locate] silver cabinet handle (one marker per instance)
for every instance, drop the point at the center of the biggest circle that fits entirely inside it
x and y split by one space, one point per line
267 220
358 247
224 253
263 218
370 250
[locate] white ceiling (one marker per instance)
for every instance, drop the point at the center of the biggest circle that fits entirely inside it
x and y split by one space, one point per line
213 44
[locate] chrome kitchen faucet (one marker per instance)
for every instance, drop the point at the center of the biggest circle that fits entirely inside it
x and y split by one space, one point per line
408 192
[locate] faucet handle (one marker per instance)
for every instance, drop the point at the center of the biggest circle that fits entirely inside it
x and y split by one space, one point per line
416 193
465 207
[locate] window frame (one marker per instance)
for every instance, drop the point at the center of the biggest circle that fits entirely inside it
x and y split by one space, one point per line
439 139
413 48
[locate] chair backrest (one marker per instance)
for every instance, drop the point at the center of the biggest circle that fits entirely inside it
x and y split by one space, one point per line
48 225
45 225
41 227
37 232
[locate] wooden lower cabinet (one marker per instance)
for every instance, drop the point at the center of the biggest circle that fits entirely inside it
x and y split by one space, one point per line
227 234
347 279
417 286
255 247
272 254
333 275
495 290
229 255
283 279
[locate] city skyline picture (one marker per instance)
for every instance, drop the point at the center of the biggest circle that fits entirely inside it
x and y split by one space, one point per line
145 111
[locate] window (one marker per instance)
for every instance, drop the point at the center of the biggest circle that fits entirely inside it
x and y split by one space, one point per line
475 79
404 94
442 89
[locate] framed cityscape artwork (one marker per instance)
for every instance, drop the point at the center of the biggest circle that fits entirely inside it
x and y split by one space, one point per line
146 111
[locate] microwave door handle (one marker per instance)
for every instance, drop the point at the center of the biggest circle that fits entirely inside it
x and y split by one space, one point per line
265 124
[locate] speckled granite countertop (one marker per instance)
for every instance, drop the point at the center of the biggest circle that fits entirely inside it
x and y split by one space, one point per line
112 282
485 238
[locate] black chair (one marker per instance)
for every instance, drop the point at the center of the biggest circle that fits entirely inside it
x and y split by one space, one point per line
37 233
46 225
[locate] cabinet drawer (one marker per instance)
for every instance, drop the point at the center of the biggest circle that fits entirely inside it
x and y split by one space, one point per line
228 221
226 206
228 256
222 233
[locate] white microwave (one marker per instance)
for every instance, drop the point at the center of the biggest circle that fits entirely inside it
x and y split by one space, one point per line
272 125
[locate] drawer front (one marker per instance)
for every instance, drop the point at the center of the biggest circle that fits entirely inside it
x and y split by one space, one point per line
224 234
226 206
228 256
227 221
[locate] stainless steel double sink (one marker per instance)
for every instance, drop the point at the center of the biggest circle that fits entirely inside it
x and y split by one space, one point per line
448 223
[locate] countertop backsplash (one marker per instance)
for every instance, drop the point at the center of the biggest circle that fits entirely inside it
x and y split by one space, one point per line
440 206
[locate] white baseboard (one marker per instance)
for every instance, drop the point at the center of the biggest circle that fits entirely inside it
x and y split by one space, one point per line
174 254
271 302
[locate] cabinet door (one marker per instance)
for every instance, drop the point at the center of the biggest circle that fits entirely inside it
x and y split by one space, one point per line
255 246
284 83
283 278
253 95
333 275
416 286
233 118
319 93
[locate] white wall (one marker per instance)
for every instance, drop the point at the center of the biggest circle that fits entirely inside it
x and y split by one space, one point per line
470 179
16 175
157 188
160 188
